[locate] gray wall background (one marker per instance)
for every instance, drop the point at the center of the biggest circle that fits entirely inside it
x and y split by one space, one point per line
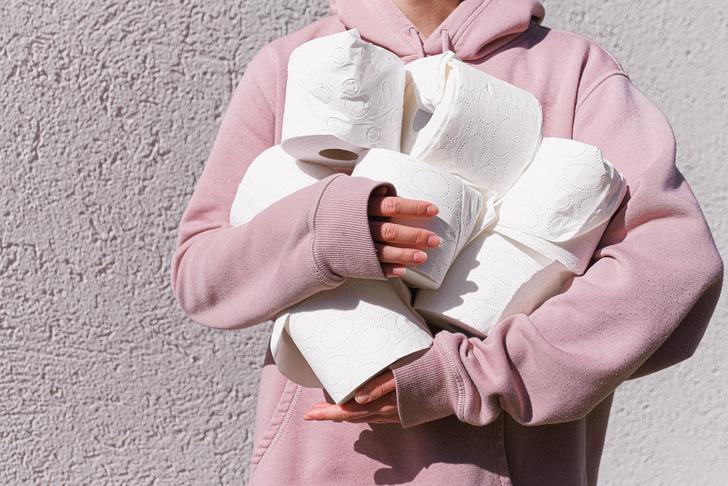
109 109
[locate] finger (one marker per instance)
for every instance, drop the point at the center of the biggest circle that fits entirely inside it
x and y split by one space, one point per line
390 206
384 405
389 232
392 270
334 412
400 256
351 409
376 388
376 420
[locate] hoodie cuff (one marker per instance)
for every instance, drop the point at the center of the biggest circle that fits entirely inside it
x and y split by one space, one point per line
343 246
426 386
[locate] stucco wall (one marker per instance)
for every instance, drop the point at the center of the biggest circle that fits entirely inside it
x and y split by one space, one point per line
109 109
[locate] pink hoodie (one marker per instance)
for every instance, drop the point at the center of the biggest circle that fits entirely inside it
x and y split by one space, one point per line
529 404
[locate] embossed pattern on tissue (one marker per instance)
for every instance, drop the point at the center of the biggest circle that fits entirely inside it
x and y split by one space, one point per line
485 140
549 201
351 332
348 92
418 180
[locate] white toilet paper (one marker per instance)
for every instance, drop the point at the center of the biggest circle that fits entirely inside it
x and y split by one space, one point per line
424 87
548 227
461 208
337 338
342 95
493 277
341 338
271 176
481 128
563 202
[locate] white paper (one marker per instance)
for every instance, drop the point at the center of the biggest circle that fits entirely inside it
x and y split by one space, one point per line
549 224
338 338
424 88
271 176
565 199
460 208
343 95
481 128
341 338
493 277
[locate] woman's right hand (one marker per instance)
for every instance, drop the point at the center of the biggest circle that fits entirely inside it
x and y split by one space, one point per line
399 245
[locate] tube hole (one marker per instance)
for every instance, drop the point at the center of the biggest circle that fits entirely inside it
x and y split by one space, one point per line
338 154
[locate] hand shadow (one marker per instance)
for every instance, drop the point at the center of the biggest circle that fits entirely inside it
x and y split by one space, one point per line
406 457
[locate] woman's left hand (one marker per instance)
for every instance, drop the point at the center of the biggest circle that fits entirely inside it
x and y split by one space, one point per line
379 408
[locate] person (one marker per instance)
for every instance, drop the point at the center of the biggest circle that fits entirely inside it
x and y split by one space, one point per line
528 404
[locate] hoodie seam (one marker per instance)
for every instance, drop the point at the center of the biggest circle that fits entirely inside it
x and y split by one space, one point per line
506 45
469 20
323 272
452 370
250 68
595 85
592 42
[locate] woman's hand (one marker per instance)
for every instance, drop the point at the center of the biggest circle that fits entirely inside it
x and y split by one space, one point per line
374 402
399 245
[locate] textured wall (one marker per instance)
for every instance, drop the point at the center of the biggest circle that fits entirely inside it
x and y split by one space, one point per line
109 109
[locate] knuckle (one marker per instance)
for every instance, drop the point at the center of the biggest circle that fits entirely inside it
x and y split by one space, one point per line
422 237
393 205
403 256
389 231
411 256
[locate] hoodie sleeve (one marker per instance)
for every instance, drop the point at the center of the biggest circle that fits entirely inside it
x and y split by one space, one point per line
654 280
231 277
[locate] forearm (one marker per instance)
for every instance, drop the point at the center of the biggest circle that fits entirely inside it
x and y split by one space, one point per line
656 270
234 277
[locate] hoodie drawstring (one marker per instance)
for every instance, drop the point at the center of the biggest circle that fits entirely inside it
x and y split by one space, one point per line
445 39
416 34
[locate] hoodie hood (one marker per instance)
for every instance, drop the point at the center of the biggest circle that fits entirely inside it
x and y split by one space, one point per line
474 29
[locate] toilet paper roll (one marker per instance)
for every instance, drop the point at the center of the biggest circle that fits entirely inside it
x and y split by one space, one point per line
492 278
461 208
549 224
272 176
341 338
424 87
343 95
481 128
563 202
338 338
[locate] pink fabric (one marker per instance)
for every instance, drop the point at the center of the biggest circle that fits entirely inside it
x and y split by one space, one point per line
529 404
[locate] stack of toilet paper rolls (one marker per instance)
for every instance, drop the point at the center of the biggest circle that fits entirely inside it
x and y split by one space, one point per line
519 213
339 338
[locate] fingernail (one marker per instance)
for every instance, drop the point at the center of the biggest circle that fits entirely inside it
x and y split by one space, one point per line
364 398
398 271
420 256
432 210
433 240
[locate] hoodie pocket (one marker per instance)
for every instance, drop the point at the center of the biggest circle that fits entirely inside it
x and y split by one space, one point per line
277 423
